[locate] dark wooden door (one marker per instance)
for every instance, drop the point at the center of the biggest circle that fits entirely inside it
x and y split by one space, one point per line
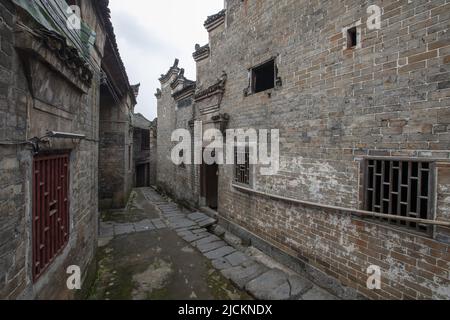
212 185
141 176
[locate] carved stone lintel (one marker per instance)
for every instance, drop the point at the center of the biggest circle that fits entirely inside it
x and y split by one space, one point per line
217 88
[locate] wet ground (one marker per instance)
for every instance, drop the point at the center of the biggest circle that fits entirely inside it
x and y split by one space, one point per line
141 258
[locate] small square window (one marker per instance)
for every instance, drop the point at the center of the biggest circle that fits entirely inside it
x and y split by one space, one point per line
352 37
263 77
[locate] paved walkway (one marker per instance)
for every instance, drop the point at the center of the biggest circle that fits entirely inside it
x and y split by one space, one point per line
155 249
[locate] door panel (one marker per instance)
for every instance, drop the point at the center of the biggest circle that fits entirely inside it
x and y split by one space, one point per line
212 185
50 209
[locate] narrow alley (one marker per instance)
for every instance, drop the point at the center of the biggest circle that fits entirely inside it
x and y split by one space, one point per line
155 249
224 150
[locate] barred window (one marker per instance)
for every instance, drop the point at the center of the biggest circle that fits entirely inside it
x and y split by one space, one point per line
402 188
242 171
51 222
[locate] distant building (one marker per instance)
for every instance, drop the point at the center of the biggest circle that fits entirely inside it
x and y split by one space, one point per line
141 137
153 151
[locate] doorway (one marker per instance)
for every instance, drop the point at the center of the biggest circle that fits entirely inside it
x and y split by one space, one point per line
210 185
142 175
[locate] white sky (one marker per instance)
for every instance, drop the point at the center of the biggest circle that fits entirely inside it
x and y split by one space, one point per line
152 33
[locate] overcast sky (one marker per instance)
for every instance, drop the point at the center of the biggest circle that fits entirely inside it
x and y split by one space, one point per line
151 34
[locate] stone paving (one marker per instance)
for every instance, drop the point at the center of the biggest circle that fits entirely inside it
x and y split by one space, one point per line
223 250
141 257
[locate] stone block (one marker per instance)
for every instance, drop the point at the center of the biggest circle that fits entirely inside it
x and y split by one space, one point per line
270 286
210 246
121 229
145 225
232 239
207 222
318 294
237 258
241 275
221 264
299 286
220 253
211 238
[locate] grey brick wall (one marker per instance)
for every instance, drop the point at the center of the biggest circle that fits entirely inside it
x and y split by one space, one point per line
116 168
178 181
390 97
21 119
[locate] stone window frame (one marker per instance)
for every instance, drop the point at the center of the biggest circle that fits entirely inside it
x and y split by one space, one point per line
358 26
277 79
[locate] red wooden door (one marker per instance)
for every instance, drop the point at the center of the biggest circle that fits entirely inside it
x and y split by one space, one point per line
50 209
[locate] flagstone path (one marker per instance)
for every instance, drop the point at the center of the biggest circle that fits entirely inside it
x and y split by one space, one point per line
155 249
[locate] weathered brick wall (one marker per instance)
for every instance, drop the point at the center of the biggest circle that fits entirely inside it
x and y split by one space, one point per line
166 125
116 170
13 166
178 181
388 98
21 119
153 152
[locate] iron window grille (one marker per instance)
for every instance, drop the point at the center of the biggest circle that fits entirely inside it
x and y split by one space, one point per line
401 188
242 170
